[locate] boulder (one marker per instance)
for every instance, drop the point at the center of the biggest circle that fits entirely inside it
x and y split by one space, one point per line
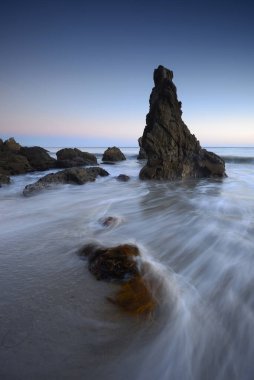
122 264
123 178
38 158
172 151
112 264
77 176
71 157
113 154
142 154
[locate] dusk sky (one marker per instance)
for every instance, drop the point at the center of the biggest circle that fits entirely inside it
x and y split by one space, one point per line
79 73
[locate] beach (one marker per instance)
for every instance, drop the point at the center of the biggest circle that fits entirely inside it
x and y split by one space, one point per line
197 235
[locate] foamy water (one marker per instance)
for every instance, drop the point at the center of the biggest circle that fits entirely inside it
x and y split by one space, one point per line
196 236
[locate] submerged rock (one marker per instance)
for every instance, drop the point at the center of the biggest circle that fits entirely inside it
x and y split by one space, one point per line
172 151
38 158
135 297
110 221
113 154
71 157
77 176
122 264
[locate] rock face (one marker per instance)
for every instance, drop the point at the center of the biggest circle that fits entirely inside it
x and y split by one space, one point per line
4 179
12 163
69 157
113 154
77 176
38 158
142 154
12 145
172 151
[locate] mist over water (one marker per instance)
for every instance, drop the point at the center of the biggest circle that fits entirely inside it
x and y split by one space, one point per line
197 238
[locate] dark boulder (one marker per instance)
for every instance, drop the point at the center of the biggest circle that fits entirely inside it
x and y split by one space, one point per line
123 178
77 176
113 154
71 157
172 151
12 163
38 158
112 264
122 264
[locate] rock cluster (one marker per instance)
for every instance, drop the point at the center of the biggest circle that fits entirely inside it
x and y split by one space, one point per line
113 154
77 176
15 159
172 151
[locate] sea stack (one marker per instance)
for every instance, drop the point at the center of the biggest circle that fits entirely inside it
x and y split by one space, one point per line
172 151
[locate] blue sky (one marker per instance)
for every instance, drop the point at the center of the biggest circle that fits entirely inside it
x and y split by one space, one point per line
80 74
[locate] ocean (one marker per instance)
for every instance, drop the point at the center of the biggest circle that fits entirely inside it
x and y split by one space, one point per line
197 237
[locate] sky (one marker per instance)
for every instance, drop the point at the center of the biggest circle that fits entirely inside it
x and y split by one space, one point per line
79 73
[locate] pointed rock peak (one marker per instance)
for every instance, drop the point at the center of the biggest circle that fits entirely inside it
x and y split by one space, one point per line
172 151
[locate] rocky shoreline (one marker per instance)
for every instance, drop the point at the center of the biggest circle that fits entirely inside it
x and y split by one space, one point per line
170 149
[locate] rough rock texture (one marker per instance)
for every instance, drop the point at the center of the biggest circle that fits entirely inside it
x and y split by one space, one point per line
172 151
77 176
70 157
4 179
142 154
113 154
123 264
12 163
112 264
12 145
38 158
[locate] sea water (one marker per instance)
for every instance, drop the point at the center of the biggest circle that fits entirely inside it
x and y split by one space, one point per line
196 235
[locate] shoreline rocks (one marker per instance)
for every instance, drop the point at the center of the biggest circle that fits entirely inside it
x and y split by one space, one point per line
72 157
172 151
77 176
38 158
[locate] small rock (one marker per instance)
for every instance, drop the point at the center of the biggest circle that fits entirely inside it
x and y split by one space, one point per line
113 154
123 178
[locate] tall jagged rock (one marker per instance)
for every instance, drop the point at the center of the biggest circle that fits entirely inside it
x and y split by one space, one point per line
172 151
